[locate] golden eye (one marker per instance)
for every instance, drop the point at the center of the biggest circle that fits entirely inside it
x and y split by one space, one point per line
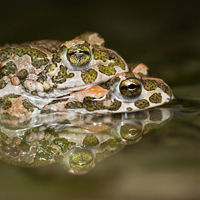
130 88
79 55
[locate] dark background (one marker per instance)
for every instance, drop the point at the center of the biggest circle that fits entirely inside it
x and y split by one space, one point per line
162 34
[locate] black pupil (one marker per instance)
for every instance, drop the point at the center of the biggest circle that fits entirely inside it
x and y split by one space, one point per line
131 86
79 52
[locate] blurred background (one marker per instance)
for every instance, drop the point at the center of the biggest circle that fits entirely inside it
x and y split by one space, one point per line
165 35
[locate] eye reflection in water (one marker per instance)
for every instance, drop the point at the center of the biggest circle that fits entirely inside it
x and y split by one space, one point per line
131 132
77 142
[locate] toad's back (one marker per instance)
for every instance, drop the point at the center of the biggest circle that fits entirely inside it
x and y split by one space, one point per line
49 68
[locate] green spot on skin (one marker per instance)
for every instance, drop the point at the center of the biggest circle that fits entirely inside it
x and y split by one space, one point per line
142 103
52 67
105 55
42 77
89 76
70 75
92 104
6 104
109 142
63 143
50 131
63 71
28 105
115 105
149 84
38 57
8 68
4 137
117 61
2 84
5 54
35 129
42 158
7 116
9 96
155 98
129 109
22 74
62 75
108 70
129 74
90 141
73 105
105 85
101 54
56 58
57 101
34 93
52 150
66 121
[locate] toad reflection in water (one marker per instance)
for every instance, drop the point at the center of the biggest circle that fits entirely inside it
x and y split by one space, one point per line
77 142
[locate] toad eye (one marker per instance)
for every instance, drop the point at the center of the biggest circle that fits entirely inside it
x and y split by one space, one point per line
79 55
130 88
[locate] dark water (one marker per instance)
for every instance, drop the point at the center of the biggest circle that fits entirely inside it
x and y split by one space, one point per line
160 163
